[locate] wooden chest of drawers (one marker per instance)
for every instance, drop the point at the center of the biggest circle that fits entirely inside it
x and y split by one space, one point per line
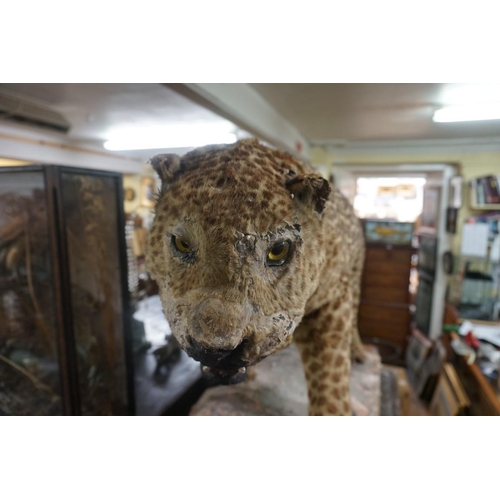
384 311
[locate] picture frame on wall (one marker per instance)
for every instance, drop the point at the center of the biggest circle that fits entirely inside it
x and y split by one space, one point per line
129 194
388 232
148 188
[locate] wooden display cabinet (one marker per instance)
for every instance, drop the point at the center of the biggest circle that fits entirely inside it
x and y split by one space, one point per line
64 307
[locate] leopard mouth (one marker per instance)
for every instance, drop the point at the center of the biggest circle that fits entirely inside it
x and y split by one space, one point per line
217 376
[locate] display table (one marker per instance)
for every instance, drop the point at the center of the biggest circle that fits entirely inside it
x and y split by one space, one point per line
277 386
484 393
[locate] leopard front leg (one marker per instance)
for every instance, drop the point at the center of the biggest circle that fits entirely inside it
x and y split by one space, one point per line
324 341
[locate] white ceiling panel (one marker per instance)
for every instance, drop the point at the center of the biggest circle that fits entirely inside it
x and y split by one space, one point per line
334 113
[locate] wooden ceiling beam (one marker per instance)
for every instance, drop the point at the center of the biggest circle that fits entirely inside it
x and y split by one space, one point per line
246 108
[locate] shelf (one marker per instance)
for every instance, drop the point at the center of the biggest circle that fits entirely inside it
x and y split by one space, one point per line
490 206
473 198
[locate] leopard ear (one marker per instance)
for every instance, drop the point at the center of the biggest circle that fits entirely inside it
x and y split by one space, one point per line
310 190
166 166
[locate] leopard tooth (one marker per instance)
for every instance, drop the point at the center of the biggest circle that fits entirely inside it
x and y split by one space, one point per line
242 369
205 368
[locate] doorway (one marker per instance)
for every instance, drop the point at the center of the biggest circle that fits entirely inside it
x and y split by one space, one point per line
390 198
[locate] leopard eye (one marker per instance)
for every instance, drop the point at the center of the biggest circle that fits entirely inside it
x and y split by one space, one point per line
181 245
278 253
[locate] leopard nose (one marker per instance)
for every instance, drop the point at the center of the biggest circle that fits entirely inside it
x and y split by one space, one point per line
218 325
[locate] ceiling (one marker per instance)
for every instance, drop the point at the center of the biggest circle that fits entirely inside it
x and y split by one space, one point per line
97 112
325 114
332 112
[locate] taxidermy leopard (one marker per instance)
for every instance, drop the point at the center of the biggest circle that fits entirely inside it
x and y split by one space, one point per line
251 249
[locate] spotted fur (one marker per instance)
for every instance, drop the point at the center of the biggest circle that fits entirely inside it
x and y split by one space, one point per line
230 204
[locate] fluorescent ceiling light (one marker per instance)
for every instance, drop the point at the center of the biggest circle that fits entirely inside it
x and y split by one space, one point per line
181 137
477 112
471 93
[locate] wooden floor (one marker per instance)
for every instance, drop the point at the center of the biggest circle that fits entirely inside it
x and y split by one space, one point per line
417 407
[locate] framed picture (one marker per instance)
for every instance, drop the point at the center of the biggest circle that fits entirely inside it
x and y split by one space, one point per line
129 194
148 188
388 232
450 398
419 347
406 191
386 191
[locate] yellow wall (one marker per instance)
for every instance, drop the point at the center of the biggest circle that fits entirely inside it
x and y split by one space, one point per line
469 165
7 162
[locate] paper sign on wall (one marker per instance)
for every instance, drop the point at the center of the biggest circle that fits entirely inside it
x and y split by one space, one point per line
475 240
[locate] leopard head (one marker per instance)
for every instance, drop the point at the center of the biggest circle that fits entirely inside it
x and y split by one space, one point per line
236 248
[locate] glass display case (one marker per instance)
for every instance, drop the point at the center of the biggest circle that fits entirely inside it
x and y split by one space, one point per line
475 290
475 285
64 308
